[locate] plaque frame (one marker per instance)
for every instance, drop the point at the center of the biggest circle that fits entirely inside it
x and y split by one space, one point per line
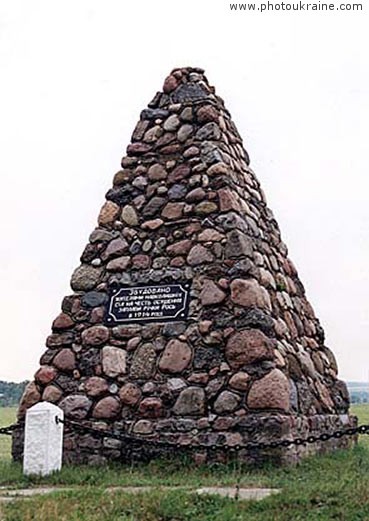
116 288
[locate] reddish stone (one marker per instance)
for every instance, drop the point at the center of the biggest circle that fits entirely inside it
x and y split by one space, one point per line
106 409
52 394
45 374
130 394
97 315
96 386
197 194
151 408
240 381
173 211
170 84
108 213
249 293
211 294
114 361
118 264
170 149
207 113
180 247
95 335
177 262
199 255
65 360
210 235
154 224
141 262
198 378
270 392
30 397
115 248
218 169
176 357
228 200
62 321
247 347
138 148
179 173
58 340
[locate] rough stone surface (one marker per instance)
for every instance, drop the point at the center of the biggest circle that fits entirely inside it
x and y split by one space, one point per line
250 356
176 357
191 402
114 361
270 392
247 347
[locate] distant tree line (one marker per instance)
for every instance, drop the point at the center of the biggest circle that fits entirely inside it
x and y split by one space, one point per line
11 393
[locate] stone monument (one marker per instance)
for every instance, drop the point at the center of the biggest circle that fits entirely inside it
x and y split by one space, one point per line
188 322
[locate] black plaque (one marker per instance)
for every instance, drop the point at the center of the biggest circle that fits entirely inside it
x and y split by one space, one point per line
146 303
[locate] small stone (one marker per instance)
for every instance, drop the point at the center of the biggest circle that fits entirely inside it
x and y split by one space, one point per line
249 293
226 402
147 245
151 407
95 335
138 149
176 357
177 191
114 361
45 374
62 321
129 215
94 299
130 394
115 248
156 172
172 123
247 347
52 394
85 278
210 235
96 386
191 152
170 84
143 362
210 131
197 194
199 255
141 262
153 134
207 113
228 200
143 427
180 247
205 207
184 133
65 360
238 245
173 211
106 409
118 264
187 114
152 225
176 384
153 206
270 392
179 173
101 235
191 402
76 406
240 381
30 397
108 213
211 294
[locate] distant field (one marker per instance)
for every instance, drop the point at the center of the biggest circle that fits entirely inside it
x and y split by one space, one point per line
321 488
7 417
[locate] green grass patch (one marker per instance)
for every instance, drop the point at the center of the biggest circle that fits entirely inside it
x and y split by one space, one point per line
7 417
320 488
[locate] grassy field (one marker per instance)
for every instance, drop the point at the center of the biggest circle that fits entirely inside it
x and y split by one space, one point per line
334 487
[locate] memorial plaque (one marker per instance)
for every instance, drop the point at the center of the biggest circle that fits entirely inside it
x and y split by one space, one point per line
145 303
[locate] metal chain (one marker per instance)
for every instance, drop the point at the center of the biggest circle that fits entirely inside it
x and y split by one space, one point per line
138 440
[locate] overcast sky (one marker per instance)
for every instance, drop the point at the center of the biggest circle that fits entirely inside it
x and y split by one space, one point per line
74 76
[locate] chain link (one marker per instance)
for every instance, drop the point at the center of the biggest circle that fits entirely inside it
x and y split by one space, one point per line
136 442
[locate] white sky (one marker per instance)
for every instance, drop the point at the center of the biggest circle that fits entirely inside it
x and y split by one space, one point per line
74 76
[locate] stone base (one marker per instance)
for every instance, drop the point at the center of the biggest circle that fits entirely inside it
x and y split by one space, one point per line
225 431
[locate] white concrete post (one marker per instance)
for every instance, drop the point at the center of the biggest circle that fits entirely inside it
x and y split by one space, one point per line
43 440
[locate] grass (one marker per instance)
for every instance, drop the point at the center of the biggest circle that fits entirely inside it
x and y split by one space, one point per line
321 488
7 417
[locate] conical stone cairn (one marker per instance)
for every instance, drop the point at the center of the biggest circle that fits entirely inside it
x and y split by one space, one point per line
188 322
